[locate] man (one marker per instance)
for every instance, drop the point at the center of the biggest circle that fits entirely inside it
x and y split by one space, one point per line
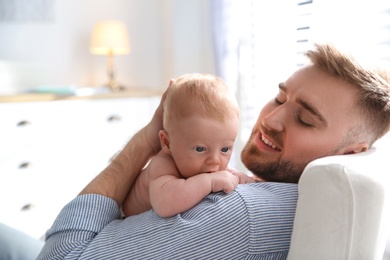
331 106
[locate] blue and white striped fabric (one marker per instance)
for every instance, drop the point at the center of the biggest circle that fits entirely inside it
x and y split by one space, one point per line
253 222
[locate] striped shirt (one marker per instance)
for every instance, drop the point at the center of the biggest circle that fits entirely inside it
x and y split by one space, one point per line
253 222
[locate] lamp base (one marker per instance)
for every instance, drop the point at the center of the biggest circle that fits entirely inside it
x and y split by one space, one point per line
112 83
115 86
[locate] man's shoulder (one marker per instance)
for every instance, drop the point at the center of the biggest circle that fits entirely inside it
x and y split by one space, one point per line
269 197
258 197
265 209
275 191
271 211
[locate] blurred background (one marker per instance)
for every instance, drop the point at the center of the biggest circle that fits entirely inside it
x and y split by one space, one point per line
252 44
47 42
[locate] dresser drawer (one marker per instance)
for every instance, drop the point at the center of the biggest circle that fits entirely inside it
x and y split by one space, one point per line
50 150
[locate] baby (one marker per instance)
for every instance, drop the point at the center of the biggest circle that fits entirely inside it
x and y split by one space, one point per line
200 122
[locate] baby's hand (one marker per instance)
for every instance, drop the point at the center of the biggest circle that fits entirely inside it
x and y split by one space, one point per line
242 177
223 181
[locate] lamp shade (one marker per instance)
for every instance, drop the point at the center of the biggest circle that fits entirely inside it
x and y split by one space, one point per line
110 37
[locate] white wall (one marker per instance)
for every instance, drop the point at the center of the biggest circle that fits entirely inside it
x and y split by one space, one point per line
167 37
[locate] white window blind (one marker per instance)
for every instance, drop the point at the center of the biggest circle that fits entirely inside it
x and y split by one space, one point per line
304 10
361 27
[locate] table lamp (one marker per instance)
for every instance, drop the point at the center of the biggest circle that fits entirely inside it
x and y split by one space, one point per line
109 37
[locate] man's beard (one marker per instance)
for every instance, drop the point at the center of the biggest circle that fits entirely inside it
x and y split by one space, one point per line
275 171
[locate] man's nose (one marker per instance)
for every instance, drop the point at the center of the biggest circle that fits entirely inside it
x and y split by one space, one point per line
276 119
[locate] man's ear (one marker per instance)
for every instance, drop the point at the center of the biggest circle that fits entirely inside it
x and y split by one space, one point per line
164 141
355 148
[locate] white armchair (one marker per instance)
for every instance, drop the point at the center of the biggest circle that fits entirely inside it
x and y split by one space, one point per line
343 210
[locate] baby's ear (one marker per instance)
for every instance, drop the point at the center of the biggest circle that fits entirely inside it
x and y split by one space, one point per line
164 141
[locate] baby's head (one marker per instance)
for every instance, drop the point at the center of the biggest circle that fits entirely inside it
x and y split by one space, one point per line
202 94
201 118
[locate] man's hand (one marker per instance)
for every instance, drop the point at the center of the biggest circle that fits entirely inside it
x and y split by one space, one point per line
150 131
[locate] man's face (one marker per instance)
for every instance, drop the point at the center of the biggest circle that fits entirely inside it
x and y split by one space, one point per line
309 118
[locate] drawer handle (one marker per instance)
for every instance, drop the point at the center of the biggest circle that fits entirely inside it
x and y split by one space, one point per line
23 123
114 118
28 206
25 165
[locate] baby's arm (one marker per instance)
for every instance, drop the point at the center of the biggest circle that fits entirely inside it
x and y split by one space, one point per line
138 200
170 195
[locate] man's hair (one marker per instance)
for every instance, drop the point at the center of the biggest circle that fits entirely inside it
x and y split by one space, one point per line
205 94
373 105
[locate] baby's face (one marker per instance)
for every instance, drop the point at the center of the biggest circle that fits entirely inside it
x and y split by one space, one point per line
202 145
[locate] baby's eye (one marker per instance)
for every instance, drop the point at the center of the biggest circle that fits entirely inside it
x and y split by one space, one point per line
225 149
200 149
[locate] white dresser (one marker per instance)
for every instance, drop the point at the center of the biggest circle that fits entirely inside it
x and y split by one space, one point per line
52 146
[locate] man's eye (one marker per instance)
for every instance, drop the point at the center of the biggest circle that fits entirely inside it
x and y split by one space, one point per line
225 149
304 123
200 149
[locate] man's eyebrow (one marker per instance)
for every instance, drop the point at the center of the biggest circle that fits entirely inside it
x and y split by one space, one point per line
309 107
313 110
